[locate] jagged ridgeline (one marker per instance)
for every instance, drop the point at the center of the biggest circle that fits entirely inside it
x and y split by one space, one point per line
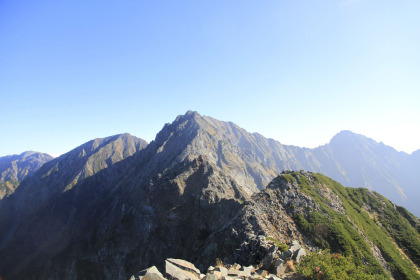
203 190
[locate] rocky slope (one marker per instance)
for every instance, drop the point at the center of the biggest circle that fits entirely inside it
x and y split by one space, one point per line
15 168
206 217
116 205
253 160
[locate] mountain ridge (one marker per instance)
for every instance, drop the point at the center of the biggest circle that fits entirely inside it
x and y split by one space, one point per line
117 204
351 158
64 184
351 162
15 168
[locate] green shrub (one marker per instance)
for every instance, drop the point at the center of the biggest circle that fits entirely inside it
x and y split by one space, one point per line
332 267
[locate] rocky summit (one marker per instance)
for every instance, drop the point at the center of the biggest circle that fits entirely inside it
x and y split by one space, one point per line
206 199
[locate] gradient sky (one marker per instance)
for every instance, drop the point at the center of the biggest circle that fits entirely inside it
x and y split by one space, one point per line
295 71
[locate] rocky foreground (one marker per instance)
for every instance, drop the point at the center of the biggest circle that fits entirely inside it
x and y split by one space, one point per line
276 265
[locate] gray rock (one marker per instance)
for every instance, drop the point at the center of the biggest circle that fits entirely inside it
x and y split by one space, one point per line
186 266
151 273
295 246
269 258
217 273
299 254
210 276
262 273
174 272
223 270
292 250
278 267
152 276
236 273
236 266
248 269
286 255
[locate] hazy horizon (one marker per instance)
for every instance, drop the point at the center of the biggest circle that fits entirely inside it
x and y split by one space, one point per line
298 73
290 144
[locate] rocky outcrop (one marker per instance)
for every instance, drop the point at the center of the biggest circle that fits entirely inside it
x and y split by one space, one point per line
151 273
178 269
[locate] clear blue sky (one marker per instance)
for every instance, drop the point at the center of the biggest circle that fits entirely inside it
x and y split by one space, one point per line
295 71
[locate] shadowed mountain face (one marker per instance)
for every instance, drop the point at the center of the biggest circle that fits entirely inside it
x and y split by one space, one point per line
15 168
39 218
115 205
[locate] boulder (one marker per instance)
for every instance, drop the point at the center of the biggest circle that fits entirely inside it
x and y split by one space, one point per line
152 276
262 273
237 273
222 270
236 266
299 254
186 266
151 273
269 257
210 276
295 246
173 272
286 255
217 273
248 269
279 267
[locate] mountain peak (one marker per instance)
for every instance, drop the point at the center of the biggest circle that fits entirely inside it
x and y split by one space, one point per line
18 167
347 138
345 134
187 116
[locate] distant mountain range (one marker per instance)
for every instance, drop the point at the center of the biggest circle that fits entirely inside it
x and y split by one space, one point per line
15 168
117 204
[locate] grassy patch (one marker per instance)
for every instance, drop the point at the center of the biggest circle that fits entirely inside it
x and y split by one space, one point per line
380 221
282 246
